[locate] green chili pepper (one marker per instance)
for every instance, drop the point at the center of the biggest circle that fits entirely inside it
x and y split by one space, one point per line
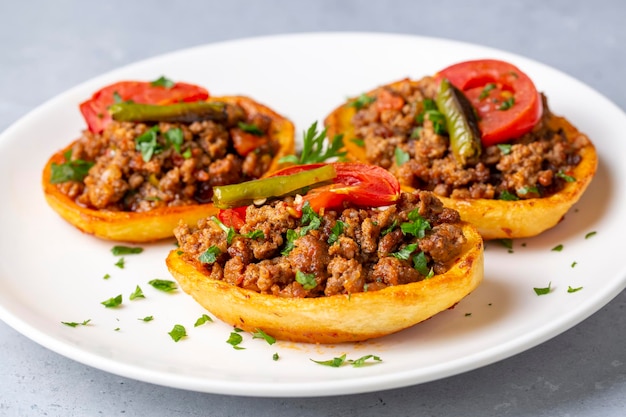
177 112
461 123
236 195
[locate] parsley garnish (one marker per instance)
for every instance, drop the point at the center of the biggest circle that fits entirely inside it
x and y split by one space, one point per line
401 156
106 276
505 148
405 253
75 170
416 132
528 190
125 250
557 248
162 82
507 243
120 263
590 234
147 318
543 291
175 138
291 237
567 178
260 334
361 101
250 128
336 230
570 289
75 324
116 97
138 293
234 340
417 226
307 281
146 143
358 142
178 332
313 149
275 357
341 360
113 301
420 263
163 285
507 104
508 196
202 319
210 255
434 115
389 229
255 234
310 219
230 231
485 92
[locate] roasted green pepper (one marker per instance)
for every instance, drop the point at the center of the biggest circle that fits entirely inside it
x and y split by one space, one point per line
461 123
235 195
178 112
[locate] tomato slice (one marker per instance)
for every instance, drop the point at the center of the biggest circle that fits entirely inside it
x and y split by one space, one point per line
245 142
95 111
233 217
360 184
506 100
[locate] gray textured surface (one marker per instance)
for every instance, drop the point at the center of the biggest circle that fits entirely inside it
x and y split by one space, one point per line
48 47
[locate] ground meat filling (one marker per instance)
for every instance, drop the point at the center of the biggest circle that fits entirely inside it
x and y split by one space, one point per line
532 166
339 252
130 176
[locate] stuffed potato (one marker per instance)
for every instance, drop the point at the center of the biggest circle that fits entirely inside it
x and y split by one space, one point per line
479 136
133 180
343 272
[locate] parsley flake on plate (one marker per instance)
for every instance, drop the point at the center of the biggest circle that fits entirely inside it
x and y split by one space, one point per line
202 319
125 250
113 301
260 334
163 285
178 332
544 290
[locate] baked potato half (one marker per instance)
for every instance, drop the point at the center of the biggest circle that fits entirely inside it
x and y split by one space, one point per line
153 218
518 187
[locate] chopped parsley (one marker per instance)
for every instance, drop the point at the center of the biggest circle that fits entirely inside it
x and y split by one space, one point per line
416 132
571 290
401 156
557 248
543 291
106 276
250 128
162 81
416 226
291 237
138 293
341 361
485 91
175 138
564 176
528 190
574 264
163 285
275 357
178 332
506 195
507 104
336 230
210 255
147 318
113 301
117 98
230 231
405 252
434 115
358 142
202 319
361 101
313 149
146 143
125 250
307 281
590 234
70 170
505 148
389 229
235 340
75 324
420 263
260 334
310 219
507 243
120 263
255 234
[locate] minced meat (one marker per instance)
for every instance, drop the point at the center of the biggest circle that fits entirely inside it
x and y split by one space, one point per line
123 178
347 251
534 165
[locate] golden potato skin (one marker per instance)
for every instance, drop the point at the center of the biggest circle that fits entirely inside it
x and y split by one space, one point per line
496 219
338 318
159 223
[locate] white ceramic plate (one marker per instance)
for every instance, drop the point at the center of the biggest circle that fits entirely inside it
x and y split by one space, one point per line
50 272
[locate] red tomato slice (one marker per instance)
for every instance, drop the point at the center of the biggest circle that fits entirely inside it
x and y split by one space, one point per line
360 184
245 142
505 98
233 217
95 111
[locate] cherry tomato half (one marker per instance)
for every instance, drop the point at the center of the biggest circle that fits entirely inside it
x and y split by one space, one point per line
360 184
233 217
95 111
506 100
